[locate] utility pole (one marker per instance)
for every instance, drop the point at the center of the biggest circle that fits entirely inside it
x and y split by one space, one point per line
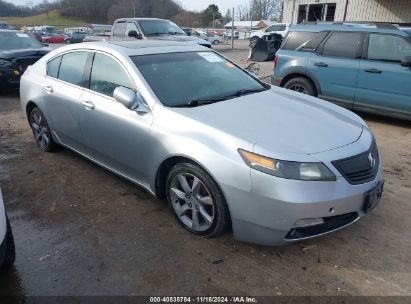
232 31
213 19
134 8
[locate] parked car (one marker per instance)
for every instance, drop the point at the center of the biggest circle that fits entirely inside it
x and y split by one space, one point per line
17 51
54 38
362 67
278 28
192 32
147 28
228 35
215 39
75 38
222 147
37 36
7 248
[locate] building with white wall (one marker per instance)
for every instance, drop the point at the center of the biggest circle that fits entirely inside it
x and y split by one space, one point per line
393 11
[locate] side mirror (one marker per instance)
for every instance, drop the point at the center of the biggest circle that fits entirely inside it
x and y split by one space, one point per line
130 99
45 44
134 34
406 62
188 33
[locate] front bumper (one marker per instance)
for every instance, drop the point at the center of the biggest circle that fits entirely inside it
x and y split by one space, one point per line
266 214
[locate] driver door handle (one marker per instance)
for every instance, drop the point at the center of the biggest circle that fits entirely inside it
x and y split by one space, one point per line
321 64
88 104
374 71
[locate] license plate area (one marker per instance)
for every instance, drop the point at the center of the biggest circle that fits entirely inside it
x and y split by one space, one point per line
373 197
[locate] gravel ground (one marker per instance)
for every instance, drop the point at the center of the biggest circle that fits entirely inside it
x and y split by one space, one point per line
80 230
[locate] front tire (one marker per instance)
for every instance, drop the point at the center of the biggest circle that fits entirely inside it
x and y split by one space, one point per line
196 200
10 253
301 85
41 131
216 42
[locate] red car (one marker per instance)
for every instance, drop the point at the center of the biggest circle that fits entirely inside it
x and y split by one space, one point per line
54 38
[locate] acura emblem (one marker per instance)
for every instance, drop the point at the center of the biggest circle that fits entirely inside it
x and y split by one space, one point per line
371 160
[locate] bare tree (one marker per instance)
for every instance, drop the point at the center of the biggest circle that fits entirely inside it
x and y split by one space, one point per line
265 9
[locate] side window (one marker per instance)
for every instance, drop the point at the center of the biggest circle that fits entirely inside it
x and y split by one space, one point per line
304 41
388 48
131 26
107 74
72 67
342 44
53 67
271 28
119 29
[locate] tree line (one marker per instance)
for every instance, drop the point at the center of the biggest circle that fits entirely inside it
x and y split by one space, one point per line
106 11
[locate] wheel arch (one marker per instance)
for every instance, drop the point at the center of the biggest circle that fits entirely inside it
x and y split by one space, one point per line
303 75
29 107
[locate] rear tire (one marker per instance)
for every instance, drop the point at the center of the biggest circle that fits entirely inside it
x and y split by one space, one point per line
10 253
196 200
215 42
41 131
301 85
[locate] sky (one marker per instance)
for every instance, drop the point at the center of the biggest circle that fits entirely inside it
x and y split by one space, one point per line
197 5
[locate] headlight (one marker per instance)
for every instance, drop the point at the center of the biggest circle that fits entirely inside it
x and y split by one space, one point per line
287 169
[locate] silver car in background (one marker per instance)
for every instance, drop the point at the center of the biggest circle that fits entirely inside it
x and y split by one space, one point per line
222 147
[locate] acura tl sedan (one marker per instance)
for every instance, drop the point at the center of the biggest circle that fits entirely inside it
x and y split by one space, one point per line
224 149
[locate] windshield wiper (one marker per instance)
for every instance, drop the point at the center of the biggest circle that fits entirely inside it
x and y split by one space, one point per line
201 102
245 92
198 102
156 34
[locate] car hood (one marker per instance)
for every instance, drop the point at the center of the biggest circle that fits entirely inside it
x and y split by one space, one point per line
281 121
12 54
181 38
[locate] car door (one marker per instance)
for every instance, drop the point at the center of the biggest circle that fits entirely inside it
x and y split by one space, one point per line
115 136
383 84
63 87
335 66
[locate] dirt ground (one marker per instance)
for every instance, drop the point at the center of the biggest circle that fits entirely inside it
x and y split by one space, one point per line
81 230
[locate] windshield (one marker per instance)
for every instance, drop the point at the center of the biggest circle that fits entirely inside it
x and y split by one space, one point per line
160 27
193 78
17 41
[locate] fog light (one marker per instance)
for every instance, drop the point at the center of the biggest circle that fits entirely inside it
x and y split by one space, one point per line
308 222
16 72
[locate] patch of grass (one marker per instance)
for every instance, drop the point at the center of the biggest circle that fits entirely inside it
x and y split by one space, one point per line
53 18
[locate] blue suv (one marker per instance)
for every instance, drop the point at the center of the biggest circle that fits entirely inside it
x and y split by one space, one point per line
364 67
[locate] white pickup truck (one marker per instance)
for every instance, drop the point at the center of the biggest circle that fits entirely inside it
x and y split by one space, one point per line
277 28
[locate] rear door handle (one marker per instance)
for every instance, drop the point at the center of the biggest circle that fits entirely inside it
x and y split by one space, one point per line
321 64
88 104
374 71
48 89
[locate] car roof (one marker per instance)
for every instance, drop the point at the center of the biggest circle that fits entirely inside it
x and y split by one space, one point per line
141 47
140 19
385 28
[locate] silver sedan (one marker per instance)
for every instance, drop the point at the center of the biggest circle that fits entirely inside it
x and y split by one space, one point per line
223 148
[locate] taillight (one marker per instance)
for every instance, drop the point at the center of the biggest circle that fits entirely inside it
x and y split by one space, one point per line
275 61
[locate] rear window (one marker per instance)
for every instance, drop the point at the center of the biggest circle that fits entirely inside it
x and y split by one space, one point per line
53 67
72 67
342 44
304 41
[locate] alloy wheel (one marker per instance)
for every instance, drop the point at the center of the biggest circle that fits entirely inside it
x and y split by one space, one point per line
41 131
192 202
298 88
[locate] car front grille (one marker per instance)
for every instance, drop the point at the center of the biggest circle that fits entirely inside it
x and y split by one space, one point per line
330 224
361 168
